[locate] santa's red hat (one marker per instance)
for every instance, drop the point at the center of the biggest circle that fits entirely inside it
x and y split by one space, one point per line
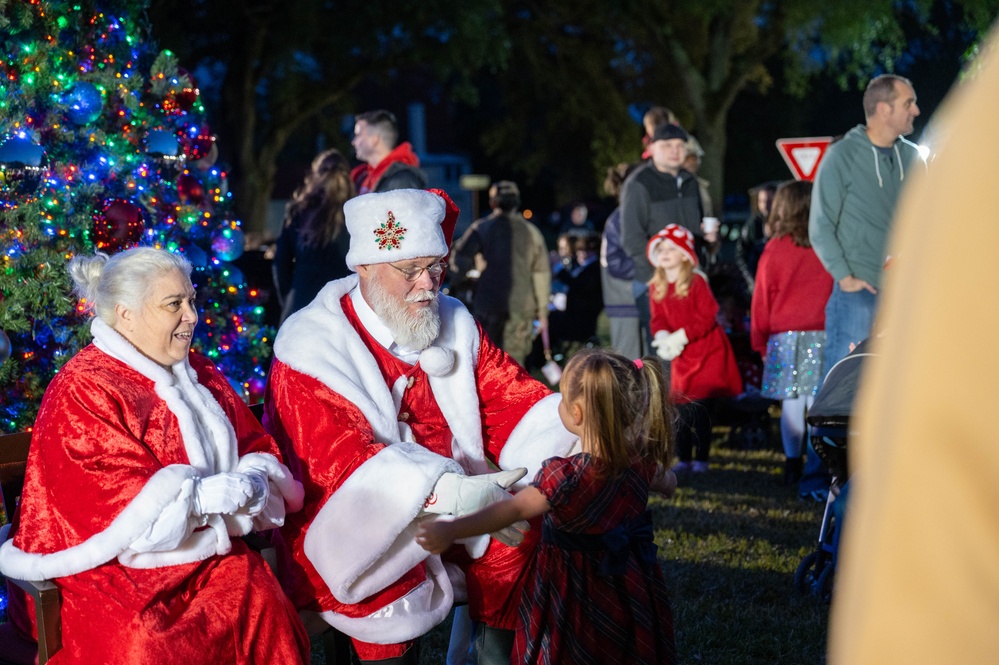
676 235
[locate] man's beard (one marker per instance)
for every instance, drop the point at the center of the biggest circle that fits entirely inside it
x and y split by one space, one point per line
413 331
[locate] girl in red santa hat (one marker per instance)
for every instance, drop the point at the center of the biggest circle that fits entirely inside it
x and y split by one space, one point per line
685 332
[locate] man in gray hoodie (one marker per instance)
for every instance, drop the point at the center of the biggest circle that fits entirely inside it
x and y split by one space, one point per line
856 187
853 200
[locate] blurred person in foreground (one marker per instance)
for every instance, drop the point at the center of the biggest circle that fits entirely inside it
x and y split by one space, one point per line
918 577
145 466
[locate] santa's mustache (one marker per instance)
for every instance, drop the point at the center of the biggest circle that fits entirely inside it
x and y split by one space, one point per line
421 296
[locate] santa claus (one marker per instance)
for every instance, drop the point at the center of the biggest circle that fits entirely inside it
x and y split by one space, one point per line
393 407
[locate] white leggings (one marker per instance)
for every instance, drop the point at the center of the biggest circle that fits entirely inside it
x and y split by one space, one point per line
792 424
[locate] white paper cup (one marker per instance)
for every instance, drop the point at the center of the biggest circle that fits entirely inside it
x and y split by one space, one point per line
710 224
559 301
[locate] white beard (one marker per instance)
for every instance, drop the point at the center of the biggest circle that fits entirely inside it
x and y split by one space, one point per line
413 331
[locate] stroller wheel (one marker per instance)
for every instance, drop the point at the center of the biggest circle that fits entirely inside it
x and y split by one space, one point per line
809 572
824 584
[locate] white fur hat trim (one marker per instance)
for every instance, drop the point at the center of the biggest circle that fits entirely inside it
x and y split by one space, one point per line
394 226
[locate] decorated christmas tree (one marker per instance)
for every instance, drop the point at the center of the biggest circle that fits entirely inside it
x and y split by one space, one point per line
104 146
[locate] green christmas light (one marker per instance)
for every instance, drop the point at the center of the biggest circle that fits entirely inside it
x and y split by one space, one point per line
61 218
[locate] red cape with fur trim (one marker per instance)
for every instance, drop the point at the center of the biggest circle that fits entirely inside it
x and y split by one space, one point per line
102 434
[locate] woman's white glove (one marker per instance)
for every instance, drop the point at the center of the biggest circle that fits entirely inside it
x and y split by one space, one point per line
223 494
261 492
457 495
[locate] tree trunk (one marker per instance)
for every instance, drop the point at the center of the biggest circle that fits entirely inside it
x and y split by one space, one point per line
252 192
714 143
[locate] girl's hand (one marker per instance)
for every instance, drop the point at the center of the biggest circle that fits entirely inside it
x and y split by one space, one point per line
664 482
435 537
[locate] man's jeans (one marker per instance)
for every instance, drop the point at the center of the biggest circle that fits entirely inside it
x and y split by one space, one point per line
849 317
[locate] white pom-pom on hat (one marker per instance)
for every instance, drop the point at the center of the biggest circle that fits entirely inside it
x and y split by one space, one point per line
394 226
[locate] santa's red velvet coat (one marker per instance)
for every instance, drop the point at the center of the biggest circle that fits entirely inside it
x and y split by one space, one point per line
370 436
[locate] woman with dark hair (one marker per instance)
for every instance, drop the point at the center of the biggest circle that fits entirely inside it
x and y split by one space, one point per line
313 242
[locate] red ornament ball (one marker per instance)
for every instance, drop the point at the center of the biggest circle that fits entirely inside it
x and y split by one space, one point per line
189 189
188 94
117 226
197 142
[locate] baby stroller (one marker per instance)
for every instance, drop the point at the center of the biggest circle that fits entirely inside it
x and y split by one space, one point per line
829 419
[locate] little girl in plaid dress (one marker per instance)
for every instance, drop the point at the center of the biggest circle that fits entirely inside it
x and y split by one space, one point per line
597 593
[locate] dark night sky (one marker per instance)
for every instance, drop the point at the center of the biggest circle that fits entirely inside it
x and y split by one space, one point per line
756 121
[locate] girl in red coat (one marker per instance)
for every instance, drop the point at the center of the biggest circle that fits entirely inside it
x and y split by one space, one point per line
788 318
685 331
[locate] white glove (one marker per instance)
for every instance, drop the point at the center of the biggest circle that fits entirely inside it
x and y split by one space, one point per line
261 492
677 341
224 493
660 338
673 345
456 495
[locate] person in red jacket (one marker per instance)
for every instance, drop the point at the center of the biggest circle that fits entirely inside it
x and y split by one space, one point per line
388 164
788 319
685 331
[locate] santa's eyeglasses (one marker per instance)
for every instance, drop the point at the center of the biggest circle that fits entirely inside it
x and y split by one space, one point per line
413 272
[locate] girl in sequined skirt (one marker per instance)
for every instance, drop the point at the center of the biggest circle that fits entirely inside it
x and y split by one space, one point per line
788 318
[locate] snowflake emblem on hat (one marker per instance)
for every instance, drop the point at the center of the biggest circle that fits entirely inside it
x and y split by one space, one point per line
390 234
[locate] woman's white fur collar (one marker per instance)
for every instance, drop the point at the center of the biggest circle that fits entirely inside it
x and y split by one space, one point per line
211 447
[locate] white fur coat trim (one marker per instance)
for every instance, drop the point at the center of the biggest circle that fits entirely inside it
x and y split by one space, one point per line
168 485
362 540
164 503
209 439
538 436
320 342
407 618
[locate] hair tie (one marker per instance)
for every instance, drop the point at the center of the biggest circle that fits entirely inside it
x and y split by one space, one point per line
638 363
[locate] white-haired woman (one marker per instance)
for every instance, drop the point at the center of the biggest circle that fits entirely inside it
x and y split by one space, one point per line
144 467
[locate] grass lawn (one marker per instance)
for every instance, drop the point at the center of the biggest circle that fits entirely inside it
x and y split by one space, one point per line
729 543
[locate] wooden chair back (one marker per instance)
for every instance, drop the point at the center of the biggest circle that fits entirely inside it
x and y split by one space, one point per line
13 462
